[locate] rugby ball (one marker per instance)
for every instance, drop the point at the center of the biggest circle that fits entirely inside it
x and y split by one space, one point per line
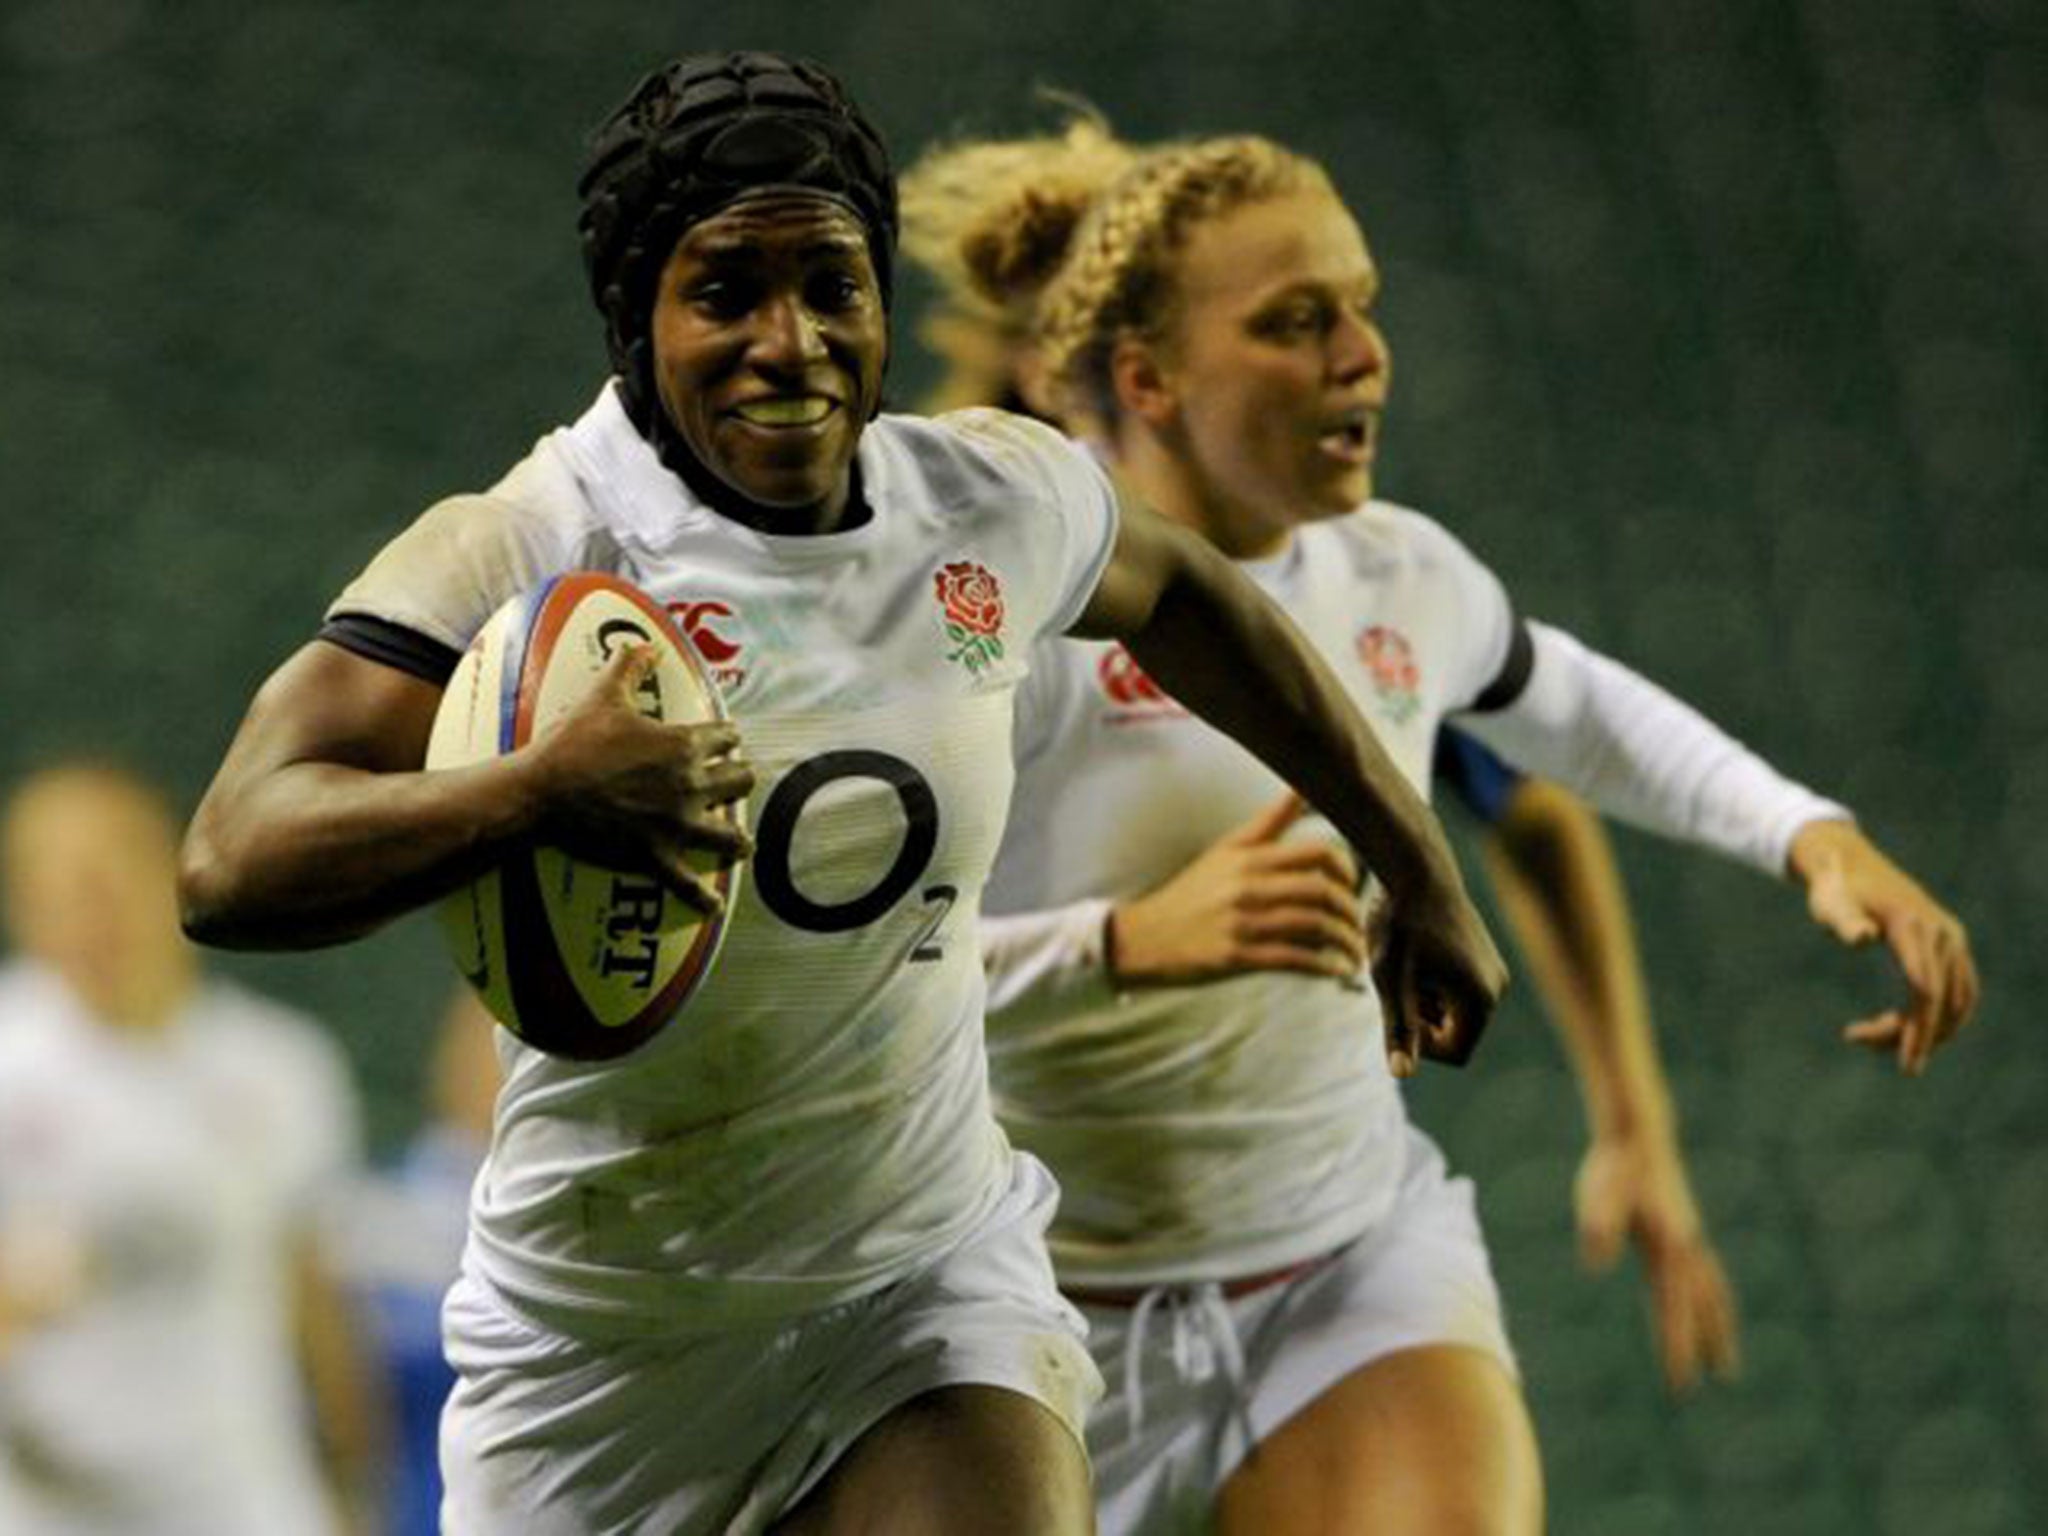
575 959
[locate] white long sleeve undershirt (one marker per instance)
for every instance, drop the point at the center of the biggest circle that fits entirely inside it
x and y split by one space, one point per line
1589 723
1640 755
1052 952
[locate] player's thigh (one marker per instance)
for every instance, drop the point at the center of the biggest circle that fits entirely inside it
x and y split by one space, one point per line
1431 1441
962 1458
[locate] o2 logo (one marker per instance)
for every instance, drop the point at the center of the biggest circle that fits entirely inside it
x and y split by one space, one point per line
775 834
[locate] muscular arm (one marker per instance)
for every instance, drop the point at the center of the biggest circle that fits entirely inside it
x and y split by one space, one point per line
1215 642
321 825
318 827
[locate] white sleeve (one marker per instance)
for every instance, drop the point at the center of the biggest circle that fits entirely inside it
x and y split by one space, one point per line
1045 955
1641 755
1068 484
1480 644
451 569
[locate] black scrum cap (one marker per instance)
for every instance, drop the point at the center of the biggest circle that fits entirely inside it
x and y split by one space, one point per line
695 136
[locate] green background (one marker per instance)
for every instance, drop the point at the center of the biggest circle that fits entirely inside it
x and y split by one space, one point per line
1719 332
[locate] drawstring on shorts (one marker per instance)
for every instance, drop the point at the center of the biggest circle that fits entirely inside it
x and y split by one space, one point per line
1204 1337
1204 1334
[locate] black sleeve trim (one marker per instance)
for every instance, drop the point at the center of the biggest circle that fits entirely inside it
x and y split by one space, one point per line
1514 673
393 645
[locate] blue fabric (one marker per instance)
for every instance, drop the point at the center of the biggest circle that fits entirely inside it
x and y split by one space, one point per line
1481 781
419 1379
428 1196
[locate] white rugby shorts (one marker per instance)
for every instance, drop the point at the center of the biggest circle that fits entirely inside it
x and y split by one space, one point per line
721 1433
1196 1378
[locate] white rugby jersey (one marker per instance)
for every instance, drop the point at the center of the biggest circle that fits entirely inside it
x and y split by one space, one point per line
1215 1131
816 1122
1211 1131
178 1171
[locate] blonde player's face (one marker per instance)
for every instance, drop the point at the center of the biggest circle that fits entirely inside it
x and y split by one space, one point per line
769 341
1277 366
91 888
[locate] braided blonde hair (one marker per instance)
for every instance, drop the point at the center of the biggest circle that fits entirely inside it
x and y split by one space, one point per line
1120 278
991 221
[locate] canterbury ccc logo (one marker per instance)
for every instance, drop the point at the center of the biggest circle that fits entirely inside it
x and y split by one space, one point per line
698 618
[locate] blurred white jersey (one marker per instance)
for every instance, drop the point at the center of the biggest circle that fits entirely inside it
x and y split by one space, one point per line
1217 1131
816 1124
154 1189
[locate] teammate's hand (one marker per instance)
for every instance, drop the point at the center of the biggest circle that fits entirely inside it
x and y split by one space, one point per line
1248 902
1861 897
1636 1189
1438 975
632 793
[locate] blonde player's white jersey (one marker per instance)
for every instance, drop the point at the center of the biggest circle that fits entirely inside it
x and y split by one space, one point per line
154 1190
816 1122
1220 1130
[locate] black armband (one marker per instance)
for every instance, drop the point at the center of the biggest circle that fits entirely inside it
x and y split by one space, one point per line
1514 672
392 645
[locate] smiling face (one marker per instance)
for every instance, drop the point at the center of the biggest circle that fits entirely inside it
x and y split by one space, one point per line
1275 372
769 341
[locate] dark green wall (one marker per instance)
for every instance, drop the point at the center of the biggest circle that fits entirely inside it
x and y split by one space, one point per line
1719 328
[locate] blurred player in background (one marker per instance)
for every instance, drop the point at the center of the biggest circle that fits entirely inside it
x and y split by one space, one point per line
779 1266
173 1357
1552 866
400 1243
1270 1256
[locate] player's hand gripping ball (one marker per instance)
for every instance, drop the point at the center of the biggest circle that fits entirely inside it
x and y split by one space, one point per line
575 959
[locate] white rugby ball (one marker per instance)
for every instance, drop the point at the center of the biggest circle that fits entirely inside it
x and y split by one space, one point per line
575 959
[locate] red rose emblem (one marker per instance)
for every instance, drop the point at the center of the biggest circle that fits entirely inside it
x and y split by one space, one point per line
971 597
1125 681
1390 662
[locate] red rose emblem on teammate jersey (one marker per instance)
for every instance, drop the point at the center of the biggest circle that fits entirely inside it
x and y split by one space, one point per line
971 608
1131 688
1125 681
1390 663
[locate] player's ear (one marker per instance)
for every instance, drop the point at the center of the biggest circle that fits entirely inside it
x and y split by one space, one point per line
1143 383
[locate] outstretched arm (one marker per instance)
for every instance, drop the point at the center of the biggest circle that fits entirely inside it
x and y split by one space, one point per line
1639 754
1862 897
1561 892
1207 634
